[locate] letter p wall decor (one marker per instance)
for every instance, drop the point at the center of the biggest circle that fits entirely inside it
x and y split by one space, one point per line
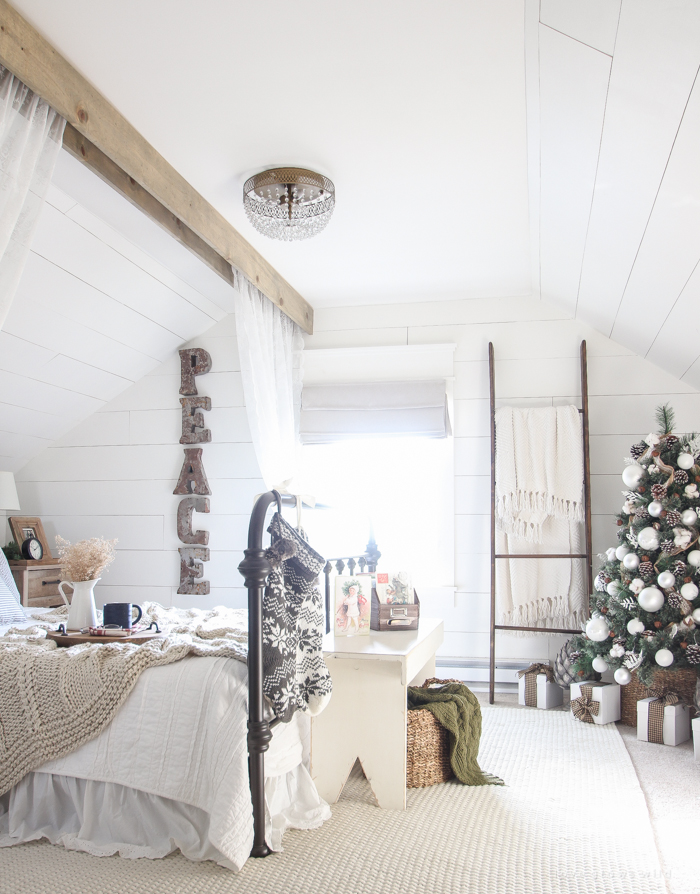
192 483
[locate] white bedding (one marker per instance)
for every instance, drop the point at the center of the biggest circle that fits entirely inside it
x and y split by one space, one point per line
176 753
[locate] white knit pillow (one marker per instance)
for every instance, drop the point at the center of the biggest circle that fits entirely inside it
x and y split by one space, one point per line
10 608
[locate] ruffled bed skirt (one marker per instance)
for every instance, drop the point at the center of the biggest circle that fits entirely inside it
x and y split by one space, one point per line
104 818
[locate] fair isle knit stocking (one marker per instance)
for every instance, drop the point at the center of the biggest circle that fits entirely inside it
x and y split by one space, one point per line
295 674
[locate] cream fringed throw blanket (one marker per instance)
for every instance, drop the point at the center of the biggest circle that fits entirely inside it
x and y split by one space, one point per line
52 700
539 509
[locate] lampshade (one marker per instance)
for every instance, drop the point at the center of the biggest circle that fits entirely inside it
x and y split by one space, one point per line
8 492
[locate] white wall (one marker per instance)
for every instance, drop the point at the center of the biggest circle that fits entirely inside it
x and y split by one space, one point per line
537 363
114 474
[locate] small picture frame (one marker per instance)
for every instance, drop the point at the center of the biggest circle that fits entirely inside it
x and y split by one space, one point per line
352 605
23 527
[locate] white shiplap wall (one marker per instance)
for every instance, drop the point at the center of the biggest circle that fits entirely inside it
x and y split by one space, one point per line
114 474
537 363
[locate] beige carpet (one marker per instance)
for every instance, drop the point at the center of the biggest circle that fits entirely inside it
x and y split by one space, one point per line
571 820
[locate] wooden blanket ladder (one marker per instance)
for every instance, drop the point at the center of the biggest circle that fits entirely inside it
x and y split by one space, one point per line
587 555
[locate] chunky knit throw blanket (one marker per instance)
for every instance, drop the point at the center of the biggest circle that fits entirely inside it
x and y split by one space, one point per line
457 709
52 700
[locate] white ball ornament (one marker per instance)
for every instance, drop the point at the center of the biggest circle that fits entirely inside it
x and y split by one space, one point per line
648 538
689 517
664 657
689 591
655 508
632 474
599 664
635 626
696 616
622 551
693 558
666 580
613 588
622 676
631 561
685 461
651 599
597 629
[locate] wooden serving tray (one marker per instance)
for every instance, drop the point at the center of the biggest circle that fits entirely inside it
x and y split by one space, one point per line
74 638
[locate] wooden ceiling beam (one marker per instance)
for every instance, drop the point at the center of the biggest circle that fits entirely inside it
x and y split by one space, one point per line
35 62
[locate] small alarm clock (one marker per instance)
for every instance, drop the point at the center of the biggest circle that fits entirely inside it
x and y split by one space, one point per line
32 549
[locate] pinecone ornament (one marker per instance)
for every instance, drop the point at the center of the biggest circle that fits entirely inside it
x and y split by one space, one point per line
641 515
646 569
670 440
675 600
637 450
673 518
679 568
600 582
692 653
564 673
668 546
680 477
658 491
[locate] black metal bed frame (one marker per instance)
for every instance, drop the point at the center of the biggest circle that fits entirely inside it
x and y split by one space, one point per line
255 569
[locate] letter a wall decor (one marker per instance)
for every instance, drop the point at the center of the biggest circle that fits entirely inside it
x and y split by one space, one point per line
193 480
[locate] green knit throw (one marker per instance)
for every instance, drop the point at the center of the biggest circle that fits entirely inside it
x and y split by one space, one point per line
457 709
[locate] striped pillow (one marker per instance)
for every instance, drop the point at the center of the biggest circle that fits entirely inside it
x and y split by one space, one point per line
10 608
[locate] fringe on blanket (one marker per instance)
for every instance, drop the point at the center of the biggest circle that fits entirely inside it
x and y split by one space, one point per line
509 509
545 612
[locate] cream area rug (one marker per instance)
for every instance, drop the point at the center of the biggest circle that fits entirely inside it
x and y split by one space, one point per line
571 819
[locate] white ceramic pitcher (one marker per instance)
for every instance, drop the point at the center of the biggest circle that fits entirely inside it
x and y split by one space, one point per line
82 612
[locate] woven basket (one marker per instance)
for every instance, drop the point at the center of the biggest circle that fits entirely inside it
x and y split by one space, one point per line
682 681
427 746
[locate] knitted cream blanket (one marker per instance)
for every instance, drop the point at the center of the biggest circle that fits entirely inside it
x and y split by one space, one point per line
539 468
53 700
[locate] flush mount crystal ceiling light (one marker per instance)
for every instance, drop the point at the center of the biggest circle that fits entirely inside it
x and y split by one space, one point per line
289 203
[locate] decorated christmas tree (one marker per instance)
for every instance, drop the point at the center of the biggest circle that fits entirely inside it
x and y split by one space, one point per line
643 613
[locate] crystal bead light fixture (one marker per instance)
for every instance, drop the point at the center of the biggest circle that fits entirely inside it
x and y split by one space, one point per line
289 203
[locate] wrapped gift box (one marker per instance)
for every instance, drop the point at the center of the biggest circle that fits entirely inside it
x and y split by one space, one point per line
676 722
696 738
607 694
549 695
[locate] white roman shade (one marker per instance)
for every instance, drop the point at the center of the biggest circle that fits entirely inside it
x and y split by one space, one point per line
374 410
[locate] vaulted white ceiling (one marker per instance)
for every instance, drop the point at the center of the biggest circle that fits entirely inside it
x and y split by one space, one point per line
479 148
414 109
105 297
618 116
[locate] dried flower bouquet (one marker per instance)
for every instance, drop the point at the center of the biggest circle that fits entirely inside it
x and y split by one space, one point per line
84 560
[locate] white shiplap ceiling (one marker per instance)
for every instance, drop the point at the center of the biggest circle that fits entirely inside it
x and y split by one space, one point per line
414 109
104 298
619 125
479 147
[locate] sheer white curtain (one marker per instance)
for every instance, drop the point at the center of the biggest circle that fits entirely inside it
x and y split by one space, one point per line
31 134
270 347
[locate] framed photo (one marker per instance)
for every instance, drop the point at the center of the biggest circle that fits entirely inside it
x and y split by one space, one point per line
23 527
352 605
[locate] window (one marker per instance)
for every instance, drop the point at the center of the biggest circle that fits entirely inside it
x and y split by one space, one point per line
400 487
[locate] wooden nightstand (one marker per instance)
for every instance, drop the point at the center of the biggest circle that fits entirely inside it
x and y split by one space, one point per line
366 716
37 582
